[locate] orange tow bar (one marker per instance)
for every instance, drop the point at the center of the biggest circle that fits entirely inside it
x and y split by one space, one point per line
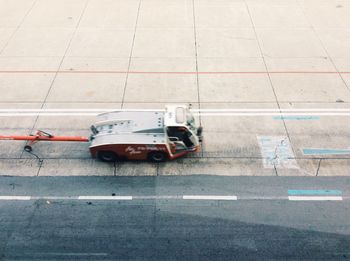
43 136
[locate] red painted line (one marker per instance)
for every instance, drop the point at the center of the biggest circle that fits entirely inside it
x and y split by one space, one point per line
167 72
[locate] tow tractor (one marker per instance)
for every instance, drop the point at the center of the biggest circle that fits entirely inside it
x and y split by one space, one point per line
156 135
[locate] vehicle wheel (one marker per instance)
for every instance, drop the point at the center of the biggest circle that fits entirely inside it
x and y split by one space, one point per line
157 156
107 156
28 148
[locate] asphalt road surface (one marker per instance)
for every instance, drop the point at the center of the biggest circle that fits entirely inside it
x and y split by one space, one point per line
174 218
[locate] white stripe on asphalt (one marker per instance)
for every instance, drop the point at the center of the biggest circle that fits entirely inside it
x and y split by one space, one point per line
70 254
315 198
209 197
15 197
54 197
105 197
184 197
157 197
263 198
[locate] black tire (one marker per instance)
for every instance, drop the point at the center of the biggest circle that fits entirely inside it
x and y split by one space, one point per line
107 156
28 148
157 156
199 131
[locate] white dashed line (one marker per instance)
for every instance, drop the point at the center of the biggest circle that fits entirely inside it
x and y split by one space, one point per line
315 198
72 254
15 197
54 197
176 197
209 197
263 198
157 197
105 197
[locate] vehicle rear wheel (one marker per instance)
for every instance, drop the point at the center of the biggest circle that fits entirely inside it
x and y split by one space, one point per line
107 156
157 156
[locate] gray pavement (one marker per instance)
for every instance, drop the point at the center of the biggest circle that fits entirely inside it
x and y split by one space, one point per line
242 54
159 224
291 204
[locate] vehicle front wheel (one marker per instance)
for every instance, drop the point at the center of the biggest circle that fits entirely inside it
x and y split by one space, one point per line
107 156
157 156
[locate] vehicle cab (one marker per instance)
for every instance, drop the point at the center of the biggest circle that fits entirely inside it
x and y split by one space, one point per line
181 128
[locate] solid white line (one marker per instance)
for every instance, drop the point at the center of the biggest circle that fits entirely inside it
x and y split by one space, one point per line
57 110
19 114
15 197
315 198
209 197
193 110
105 197
247 114
271 114
270 110
75 110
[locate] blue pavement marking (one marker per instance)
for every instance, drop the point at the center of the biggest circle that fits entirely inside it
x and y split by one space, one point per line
310 192
297 118
325 151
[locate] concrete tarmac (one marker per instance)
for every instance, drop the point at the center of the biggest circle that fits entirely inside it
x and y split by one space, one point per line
174 218
216 55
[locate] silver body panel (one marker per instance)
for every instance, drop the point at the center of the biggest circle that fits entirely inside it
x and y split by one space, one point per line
130 127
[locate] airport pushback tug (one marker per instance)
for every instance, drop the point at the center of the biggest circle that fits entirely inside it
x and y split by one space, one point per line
154 135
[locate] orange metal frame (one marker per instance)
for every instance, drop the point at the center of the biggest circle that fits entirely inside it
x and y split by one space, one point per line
44 136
